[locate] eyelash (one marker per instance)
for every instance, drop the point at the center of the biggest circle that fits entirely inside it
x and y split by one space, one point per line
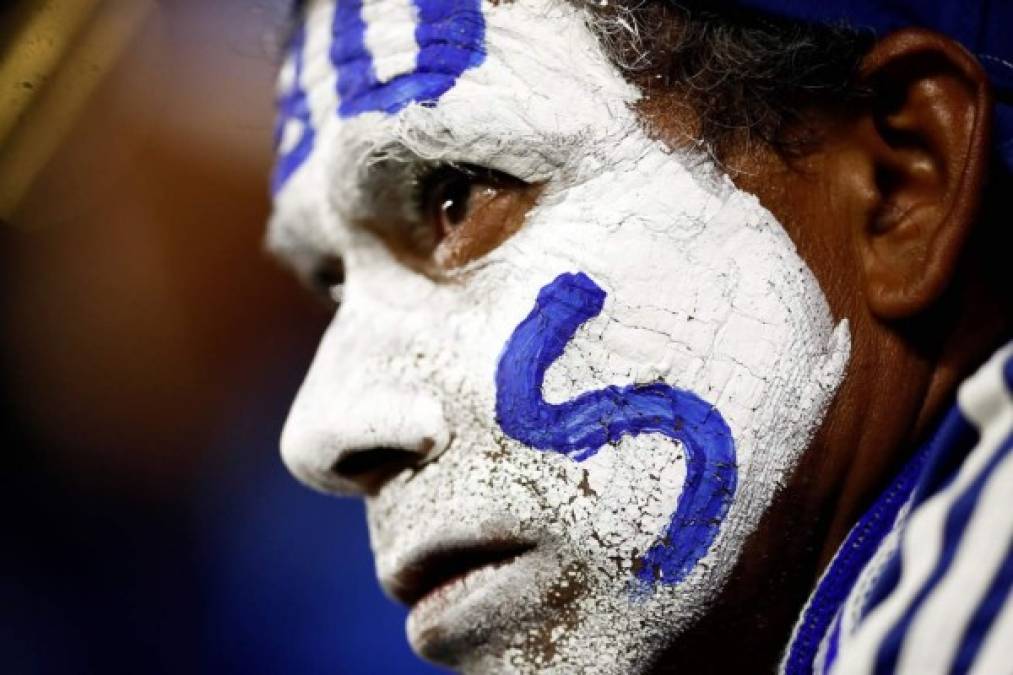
429 176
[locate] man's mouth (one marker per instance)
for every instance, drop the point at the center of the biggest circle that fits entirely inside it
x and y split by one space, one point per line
437 569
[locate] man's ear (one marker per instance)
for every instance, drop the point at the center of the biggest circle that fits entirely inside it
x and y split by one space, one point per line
926 134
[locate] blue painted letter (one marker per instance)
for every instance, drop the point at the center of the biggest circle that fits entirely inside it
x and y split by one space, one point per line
293 109
450 35
581 426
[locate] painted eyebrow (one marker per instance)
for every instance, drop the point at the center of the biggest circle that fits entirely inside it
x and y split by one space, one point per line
439 147
440 140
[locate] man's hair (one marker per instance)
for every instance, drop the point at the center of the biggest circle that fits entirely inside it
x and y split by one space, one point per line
745 76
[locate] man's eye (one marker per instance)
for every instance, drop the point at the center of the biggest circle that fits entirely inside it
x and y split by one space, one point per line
466 211
447 196
327 280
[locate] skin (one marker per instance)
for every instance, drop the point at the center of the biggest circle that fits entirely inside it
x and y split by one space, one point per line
899 258
882 211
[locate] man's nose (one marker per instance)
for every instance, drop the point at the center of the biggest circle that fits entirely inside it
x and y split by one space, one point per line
354 445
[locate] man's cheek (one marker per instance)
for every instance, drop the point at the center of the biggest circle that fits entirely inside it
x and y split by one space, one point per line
627 496
579 428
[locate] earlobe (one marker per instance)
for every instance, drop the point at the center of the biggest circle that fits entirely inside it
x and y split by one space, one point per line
927 132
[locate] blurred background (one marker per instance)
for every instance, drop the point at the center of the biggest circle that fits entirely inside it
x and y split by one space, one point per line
149 353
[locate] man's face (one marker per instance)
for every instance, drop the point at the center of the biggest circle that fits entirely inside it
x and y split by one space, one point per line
605 358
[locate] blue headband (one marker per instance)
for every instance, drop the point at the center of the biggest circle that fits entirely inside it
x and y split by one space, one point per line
984 27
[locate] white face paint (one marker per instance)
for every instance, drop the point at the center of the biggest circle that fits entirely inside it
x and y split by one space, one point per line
704 292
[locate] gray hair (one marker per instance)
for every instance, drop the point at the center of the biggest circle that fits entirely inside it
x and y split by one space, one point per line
746 76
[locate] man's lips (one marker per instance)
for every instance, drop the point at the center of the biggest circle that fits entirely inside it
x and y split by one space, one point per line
436 568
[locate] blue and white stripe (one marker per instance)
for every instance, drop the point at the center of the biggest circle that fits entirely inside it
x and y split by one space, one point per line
931 592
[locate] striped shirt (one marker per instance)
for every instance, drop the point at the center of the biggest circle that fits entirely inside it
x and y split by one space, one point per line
921 584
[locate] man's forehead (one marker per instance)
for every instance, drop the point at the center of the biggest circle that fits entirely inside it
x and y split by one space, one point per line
450 77
521 87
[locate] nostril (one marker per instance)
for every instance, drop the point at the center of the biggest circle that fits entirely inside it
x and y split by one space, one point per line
371 468
368 461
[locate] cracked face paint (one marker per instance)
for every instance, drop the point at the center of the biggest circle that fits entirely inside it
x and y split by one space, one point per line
581 427
697 308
